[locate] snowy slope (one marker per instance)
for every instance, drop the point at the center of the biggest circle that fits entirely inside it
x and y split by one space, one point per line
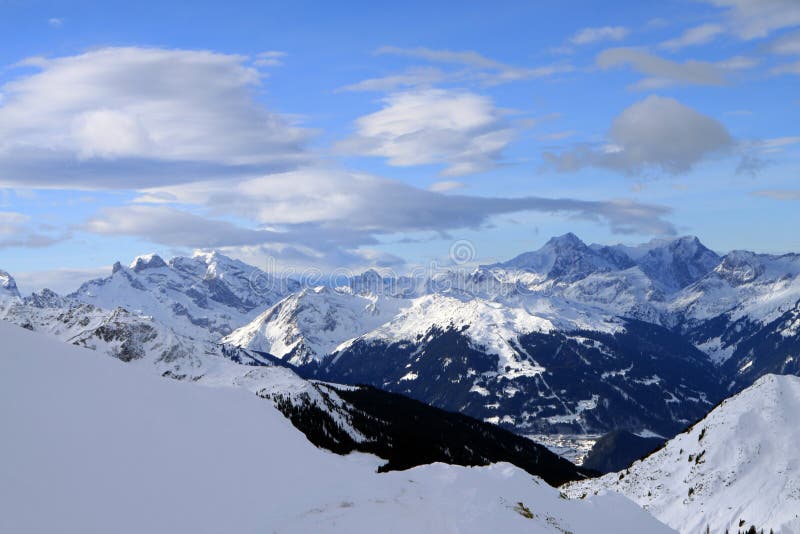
739 463
744 285
145 342
105 447
312 323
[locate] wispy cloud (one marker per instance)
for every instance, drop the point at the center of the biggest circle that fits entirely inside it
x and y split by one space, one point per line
788 44
480 68
594 35
21 230
270 58
751 19
448 185
777 144
697 35
661 72
412 77
778 194
787 68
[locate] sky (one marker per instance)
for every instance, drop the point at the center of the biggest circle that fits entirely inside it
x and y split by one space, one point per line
357 134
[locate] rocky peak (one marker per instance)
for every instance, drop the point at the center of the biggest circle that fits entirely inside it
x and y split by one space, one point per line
148 261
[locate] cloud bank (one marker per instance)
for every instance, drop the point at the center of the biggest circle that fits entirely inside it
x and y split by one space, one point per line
130 117
657 133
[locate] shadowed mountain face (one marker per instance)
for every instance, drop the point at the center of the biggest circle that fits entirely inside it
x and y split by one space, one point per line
617 450
641 378
408 433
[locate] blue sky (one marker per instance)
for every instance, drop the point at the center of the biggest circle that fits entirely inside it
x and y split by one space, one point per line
367 133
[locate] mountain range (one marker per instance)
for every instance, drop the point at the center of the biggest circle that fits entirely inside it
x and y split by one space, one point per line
667 341
568 339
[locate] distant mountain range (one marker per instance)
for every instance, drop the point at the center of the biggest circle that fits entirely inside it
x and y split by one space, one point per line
569 339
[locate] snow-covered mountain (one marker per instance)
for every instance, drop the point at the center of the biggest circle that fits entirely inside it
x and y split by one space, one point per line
109 448
516 370
572 338
529 364
565 259
678 263
743 315
8 286
204 296
738 467
339 418
312 323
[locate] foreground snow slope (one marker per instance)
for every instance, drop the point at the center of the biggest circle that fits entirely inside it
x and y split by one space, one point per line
106 447
741 463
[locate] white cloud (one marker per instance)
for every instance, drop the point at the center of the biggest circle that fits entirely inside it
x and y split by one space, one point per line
778 194
594 35
697 35
461 130
326 208
788 44
777 144
55 22
478 67
270 58
20 230
126 117
655 133
413 77
751 19
448 185
660 71
738 63
787 68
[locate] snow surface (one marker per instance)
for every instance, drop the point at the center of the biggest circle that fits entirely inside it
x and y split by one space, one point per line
99 446
740 463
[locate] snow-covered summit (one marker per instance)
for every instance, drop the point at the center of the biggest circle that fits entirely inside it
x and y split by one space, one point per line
147 261
8 286
564 257
204 296
313 322
739 466
678 263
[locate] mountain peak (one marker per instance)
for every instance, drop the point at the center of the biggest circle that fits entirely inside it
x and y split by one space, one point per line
740 267
8 286
679 262
565 257
147 261
568 240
